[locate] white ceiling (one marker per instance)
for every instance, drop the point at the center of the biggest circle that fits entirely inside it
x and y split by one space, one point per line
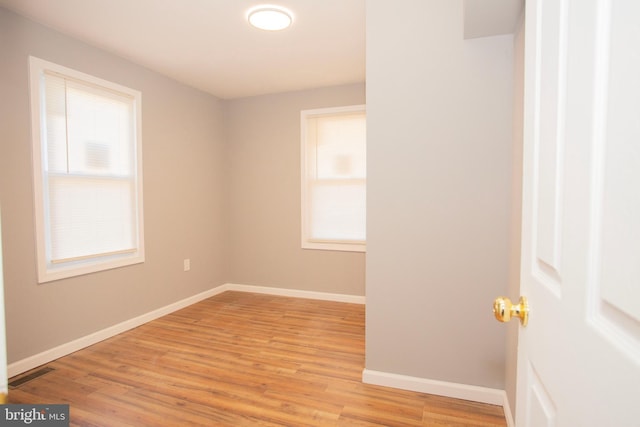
207 44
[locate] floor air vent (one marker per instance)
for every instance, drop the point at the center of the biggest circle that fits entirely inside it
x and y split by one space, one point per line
32 376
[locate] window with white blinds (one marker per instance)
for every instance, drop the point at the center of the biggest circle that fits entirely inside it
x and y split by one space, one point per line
87 172
334 178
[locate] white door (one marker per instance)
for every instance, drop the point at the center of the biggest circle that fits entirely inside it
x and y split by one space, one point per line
579 356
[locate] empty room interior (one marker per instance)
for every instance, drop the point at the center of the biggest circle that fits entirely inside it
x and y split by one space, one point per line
234 297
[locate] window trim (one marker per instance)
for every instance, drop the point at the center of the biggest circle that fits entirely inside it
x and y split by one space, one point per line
306 241
48 270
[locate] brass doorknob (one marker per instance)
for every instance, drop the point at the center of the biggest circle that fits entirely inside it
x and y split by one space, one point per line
504 310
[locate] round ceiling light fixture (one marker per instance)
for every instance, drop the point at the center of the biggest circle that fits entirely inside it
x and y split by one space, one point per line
270 18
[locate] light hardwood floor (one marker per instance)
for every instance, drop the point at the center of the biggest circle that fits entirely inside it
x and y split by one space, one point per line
240 359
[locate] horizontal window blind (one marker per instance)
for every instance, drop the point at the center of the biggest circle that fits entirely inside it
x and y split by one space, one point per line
335 177
338 211
90 171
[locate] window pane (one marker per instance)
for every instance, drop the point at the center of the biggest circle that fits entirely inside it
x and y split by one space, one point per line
56 125
338 212
341 147
90 216
99 132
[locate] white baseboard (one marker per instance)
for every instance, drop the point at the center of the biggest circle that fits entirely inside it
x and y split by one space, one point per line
294 293
47 356
442 388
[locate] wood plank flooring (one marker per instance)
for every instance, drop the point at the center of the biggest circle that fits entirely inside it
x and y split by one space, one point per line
240 359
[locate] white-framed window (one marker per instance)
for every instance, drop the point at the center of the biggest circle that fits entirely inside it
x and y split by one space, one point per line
334 178
87 169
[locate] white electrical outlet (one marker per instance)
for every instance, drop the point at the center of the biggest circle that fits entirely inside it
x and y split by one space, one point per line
187 264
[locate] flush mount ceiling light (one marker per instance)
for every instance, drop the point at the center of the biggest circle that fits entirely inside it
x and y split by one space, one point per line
270 18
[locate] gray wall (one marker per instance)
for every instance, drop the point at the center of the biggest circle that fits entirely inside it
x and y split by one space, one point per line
183 198
263 135
221 187
221 182
439 135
